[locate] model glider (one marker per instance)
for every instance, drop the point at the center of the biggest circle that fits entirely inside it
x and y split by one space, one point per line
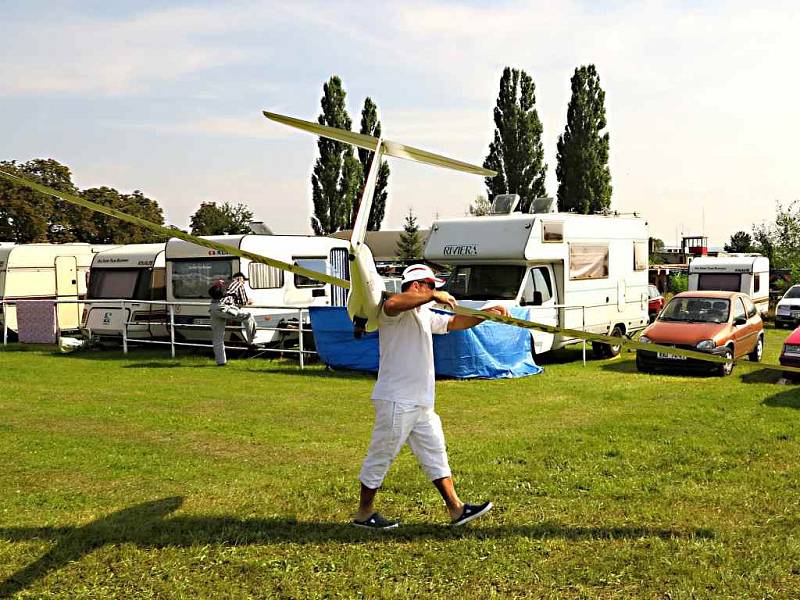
366 285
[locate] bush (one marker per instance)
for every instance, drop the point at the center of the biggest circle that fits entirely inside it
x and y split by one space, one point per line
679 282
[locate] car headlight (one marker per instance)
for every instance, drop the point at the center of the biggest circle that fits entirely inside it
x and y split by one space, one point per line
645 340
706 345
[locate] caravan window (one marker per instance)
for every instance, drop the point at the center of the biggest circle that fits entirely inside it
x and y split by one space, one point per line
485 282
123 284
588 261
264 277
725 282
318 264
192 278
639 256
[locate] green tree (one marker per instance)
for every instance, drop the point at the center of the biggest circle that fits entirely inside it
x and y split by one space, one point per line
371 125
409 246
27 216
516 151
227 219
337 175
480 207
108 230
780 241
740 242
584 179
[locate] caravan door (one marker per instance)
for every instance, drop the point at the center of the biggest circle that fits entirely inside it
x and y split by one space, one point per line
67 289
539 296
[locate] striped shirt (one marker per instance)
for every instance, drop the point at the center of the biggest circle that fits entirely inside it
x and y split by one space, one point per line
235 294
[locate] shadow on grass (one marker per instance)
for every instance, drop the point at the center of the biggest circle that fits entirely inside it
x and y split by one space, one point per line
789 398
147 526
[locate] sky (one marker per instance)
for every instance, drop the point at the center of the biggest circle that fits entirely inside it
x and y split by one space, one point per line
166 97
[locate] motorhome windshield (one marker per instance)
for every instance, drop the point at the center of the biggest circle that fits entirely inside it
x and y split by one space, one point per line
724 282
485 282
123 284
696 310
192 278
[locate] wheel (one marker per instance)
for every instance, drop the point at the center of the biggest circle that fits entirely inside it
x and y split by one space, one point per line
612 351
758 351
598 350
726 369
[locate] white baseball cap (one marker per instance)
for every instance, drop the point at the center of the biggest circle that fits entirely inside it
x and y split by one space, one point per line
421 273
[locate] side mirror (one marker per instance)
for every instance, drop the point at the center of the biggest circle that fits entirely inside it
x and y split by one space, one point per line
740 321
537 299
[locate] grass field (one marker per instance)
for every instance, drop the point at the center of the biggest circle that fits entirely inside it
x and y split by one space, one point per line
146 477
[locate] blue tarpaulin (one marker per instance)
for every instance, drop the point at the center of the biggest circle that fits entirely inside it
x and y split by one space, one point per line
490 350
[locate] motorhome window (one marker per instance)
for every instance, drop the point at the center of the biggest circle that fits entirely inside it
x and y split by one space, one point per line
265 277
114 283
485 282
539 281
318 264
696 310
749 307
588 261
192 278
552 232
725 282
639 256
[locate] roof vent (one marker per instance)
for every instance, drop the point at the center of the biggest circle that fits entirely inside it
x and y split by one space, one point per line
542 205
504 204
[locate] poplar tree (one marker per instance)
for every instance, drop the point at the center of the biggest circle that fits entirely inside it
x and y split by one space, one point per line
371 125
584 179
516 151
336 179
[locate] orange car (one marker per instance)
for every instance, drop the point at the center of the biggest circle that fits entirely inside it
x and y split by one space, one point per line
726 324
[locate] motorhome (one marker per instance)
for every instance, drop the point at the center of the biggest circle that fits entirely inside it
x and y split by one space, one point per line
46 271
134 274
572 271
746 273
191 269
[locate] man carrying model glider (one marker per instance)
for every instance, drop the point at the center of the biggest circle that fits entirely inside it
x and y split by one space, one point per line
404 395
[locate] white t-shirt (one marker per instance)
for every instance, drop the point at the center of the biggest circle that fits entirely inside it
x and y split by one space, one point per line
405 372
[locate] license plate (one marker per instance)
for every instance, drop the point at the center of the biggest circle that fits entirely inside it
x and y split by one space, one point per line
783 311
668 356
202 321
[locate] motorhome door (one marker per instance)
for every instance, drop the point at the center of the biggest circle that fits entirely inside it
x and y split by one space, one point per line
539 297
67 289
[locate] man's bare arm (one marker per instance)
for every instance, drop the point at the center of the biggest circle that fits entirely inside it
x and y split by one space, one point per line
459 322
398 303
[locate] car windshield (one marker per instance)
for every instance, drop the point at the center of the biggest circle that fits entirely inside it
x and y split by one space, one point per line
697 310
485 282
794 292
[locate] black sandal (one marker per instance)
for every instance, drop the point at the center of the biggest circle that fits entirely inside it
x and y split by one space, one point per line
471 511
377 521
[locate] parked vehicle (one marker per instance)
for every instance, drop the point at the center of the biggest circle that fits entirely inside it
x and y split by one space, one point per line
133 273
746 273
594 264
787 311
191 270
790 354
725 324
655 302
46 271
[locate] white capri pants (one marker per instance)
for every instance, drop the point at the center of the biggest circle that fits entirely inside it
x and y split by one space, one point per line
396 424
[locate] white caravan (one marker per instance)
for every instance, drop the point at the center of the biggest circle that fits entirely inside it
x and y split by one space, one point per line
132 273
573 271
191 269
746 273
46 271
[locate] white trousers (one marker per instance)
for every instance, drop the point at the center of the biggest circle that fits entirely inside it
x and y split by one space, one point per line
396 424
220 315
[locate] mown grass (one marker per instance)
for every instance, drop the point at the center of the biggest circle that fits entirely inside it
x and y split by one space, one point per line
146 477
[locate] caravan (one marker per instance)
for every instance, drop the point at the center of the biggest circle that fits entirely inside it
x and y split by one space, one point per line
46 271
133 273
571 271
746 273
191 270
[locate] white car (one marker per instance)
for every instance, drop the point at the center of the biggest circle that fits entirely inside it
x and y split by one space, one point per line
788 310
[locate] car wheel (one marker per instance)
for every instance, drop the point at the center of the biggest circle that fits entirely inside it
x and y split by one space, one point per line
758 351
598 350
726 368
